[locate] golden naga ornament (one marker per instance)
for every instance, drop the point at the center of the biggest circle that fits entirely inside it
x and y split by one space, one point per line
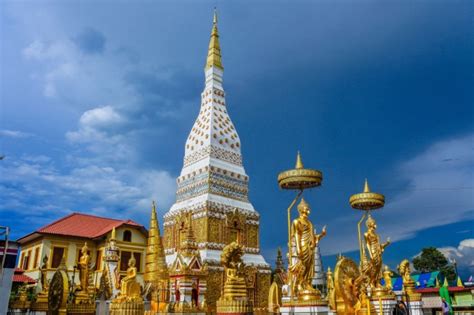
234 298
409 292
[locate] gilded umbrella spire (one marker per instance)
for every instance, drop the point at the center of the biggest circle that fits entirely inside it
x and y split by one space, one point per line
299 162
366 186
214 52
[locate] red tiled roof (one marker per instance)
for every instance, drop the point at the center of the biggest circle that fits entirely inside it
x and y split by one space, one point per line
84 225
18 276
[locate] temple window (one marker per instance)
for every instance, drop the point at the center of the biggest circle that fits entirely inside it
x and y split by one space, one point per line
124 258
58 253
26 261
127 236
138 257
98 260
22 259
36 258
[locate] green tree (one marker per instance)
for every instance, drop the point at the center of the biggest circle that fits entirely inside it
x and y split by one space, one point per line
431 259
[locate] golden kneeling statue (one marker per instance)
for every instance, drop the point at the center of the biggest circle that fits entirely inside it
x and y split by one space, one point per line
130 289
305 240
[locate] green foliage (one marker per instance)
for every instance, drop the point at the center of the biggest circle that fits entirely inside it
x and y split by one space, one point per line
431 259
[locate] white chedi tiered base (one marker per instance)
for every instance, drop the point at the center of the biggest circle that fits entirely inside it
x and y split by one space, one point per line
305 309
386 305
415 307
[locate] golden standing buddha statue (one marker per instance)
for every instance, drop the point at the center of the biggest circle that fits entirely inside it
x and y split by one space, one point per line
44 274
84 267
305 240
375 249
387 277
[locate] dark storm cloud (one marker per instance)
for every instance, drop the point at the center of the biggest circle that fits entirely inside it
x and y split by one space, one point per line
90 41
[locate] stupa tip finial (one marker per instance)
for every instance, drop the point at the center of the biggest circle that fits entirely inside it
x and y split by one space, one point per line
299 162
366 186
214 58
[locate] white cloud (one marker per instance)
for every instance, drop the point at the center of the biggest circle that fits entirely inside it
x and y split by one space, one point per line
463 254
14 134
41 187
101 116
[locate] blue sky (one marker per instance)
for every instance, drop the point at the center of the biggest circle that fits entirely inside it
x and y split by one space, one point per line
98 99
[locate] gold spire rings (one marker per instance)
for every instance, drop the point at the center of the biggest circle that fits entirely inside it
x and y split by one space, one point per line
300 178
367 200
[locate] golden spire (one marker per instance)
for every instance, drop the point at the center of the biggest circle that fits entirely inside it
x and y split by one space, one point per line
189 245
214 52
112 237
366 186
299 162
155 260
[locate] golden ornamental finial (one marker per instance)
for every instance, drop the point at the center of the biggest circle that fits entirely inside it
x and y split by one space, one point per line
214 58
299 162
112 237
366 186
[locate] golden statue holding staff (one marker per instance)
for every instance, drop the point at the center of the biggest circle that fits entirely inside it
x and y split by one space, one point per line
302 238
305 239
84 267
375 249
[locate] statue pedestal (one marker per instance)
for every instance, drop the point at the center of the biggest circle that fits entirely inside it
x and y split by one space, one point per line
234 307
305 309
415 307
311 307
383 306
40 306
127 308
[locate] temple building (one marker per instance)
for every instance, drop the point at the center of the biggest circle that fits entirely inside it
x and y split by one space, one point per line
45 247
212 192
